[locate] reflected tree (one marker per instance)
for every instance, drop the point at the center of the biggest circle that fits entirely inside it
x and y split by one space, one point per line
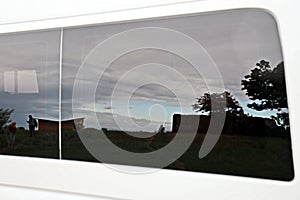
4 117
266 87
204 104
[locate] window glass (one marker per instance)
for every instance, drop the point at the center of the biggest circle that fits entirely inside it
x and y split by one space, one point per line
29 87
202 92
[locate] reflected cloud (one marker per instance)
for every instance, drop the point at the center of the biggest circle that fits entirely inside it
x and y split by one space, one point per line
235 48
109 108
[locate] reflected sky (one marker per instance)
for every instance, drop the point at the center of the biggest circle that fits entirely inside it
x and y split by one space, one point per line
235 40
144 87
29 71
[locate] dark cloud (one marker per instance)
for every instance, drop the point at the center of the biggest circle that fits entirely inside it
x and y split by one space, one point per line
109 108
234 41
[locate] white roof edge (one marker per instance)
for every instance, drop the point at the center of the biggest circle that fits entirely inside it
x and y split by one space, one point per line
49 10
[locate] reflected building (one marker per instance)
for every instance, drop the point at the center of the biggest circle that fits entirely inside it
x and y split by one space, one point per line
246 125
66 125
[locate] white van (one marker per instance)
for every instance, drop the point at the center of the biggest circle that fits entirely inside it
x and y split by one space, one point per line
172 99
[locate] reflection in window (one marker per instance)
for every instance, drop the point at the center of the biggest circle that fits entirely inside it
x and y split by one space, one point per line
22 81
145 97
152 93
29 87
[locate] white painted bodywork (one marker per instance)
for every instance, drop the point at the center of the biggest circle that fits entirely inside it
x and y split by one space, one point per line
36 178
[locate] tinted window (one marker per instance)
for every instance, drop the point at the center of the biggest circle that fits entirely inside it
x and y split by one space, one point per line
202 92
198 93
29 85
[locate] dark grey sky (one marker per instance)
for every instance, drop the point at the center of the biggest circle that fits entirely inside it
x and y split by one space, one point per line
33 59
233 40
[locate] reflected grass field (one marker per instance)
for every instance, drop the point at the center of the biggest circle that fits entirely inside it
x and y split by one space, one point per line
251 156
44 145
261 157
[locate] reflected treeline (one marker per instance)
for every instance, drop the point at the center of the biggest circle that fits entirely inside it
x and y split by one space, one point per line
5 118
266 89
